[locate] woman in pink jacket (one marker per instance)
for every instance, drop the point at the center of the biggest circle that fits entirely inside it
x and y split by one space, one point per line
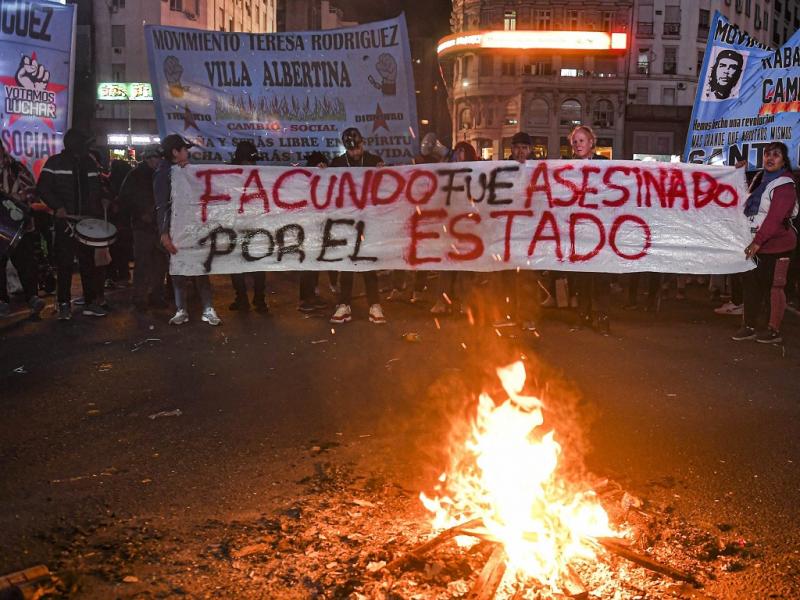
771 206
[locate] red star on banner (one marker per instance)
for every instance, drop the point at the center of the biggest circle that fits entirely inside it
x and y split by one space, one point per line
188 119
55 88
379 121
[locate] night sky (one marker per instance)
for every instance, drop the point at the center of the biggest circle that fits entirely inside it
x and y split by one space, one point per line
425 17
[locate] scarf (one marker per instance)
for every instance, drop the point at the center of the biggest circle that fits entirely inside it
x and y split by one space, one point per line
754 199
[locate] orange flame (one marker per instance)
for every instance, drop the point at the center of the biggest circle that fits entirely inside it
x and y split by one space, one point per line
505 474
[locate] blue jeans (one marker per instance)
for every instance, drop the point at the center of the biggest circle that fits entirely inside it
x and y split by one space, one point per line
181 283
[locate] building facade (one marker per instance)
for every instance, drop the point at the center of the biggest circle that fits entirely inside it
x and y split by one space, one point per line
112 34
666 55
537 66
309 15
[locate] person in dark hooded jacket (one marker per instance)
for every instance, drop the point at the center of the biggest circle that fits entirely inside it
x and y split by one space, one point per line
70 185
136 198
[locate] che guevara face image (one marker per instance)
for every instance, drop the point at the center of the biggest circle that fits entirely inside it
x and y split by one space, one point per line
724 75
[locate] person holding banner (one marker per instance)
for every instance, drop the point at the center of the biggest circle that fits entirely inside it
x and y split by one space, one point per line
770 207
594 289
246 153
70 185
356 156
176 153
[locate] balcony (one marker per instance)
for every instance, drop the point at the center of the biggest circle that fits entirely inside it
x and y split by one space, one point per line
644 28
672 29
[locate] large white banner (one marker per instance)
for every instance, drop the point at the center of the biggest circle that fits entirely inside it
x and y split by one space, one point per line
290 93
605 216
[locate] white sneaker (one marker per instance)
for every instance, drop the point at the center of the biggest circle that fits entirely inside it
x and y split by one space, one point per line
416 297
210 317
342 314
180 317
376 314
729 308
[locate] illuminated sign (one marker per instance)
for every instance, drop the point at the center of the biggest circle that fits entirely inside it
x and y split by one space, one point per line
121 139
534 40
112 90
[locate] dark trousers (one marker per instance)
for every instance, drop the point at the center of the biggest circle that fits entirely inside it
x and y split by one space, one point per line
121 250
150 267
758 285
66 250
594 292
346 287
240 285
23 257
308 285
653 282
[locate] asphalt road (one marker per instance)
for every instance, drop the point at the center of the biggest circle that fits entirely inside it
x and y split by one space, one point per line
668 407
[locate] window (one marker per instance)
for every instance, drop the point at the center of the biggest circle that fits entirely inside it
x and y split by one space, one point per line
544 19
642 95
668 96
670 60
176 5
608 20
643 62
118 36
541 67
510 20
776 35
748 4
117 4
757 20
465 119
512 113
605 67
700 56
672 20
539 147
572 20
570 115
644 25
486 65
466 67
704 23
538 112
508 66
603 114
118 72
739 6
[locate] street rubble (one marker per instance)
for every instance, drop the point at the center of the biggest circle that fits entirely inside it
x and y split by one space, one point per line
337 539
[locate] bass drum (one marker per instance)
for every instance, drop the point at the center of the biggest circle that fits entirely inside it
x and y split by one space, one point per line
95 232
12 223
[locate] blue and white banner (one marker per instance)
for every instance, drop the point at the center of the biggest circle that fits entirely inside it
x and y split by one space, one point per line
290 93
748 95
36 67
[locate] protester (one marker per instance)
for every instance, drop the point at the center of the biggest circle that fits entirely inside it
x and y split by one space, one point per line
246 153
176 153
118 271
70 185
770 207
431 151
137 199
18 189
594 289
309 299
356 156
447 296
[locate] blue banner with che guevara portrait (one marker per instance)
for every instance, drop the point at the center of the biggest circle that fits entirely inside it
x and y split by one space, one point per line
36 67
290 93
747 96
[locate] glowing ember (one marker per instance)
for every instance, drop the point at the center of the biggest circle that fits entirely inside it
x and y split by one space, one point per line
505 474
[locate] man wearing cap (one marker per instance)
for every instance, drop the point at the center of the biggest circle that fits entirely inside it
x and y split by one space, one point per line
70 185
176 154
246 153
150 267
356 156
521 145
